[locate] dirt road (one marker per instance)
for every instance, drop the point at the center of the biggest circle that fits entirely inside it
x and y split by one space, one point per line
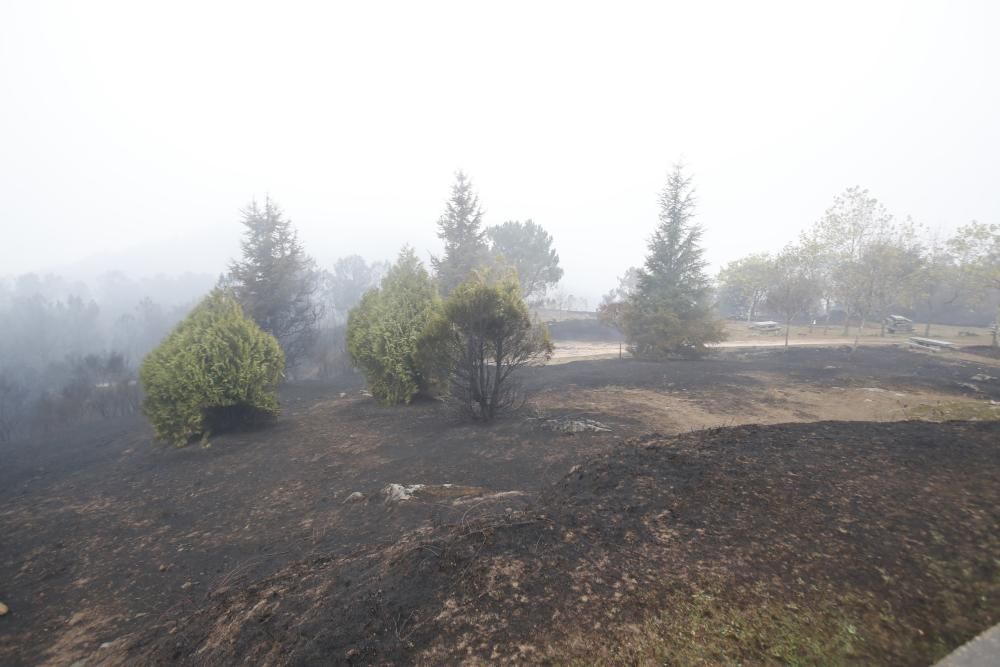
570 350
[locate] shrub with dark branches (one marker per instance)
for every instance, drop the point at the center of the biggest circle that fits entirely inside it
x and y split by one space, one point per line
484 336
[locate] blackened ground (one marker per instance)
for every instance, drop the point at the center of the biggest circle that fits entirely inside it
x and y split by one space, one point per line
885 535
886 367
987 351
110 538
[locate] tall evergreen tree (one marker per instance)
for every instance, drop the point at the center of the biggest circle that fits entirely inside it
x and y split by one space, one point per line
669 311
461 229
276 281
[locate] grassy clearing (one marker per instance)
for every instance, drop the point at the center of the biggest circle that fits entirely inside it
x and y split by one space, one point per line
719 626
707 628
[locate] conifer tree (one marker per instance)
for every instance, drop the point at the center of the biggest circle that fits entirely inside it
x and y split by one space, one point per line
276 282
461 229
669 313
384 328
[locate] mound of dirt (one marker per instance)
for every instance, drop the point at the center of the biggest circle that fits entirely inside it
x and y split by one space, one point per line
843 542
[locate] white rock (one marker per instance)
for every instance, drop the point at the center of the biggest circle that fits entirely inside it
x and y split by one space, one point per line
395 493
355 497
576 426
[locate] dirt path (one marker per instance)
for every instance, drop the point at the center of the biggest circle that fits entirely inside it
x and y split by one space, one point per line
569 350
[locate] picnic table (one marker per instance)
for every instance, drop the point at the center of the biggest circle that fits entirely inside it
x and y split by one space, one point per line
931 344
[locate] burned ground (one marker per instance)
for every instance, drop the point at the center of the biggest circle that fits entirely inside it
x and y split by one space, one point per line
119 550
815 521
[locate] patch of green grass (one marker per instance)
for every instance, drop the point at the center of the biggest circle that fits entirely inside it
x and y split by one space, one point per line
705 629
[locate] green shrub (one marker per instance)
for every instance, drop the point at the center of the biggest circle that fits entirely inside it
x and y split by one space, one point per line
483 337
216 369
383 330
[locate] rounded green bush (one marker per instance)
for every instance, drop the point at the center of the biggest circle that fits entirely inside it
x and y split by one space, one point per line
216 365
383 330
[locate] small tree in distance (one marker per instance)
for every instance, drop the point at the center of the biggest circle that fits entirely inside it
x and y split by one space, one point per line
977 249
483 337
792 287
526 247
743 284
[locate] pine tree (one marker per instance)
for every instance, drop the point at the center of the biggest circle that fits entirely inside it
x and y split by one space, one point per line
669 313
461 229
276 282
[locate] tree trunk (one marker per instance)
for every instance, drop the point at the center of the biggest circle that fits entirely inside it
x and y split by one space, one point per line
930 316
996 330
857 334
788 321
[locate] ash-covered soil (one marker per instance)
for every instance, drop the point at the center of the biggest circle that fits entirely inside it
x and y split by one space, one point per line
886 534
111 540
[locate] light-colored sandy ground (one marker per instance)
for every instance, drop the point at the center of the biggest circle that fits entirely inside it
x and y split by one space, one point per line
579 350
680 410
738 335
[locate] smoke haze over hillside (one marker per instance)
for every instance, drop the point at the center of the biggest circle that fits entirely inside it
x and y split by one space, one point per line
132 134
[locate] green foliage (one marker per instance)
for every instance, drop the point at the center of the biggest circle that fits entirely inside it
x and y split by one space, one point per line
628 283
743 284
383 330
483 336
668 313
215 363
527 248
276 282
461 229
706 629
976 247
792 286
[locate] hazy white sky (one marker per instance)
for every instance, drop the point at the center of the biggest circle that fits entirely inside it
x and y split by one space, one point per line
144 127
